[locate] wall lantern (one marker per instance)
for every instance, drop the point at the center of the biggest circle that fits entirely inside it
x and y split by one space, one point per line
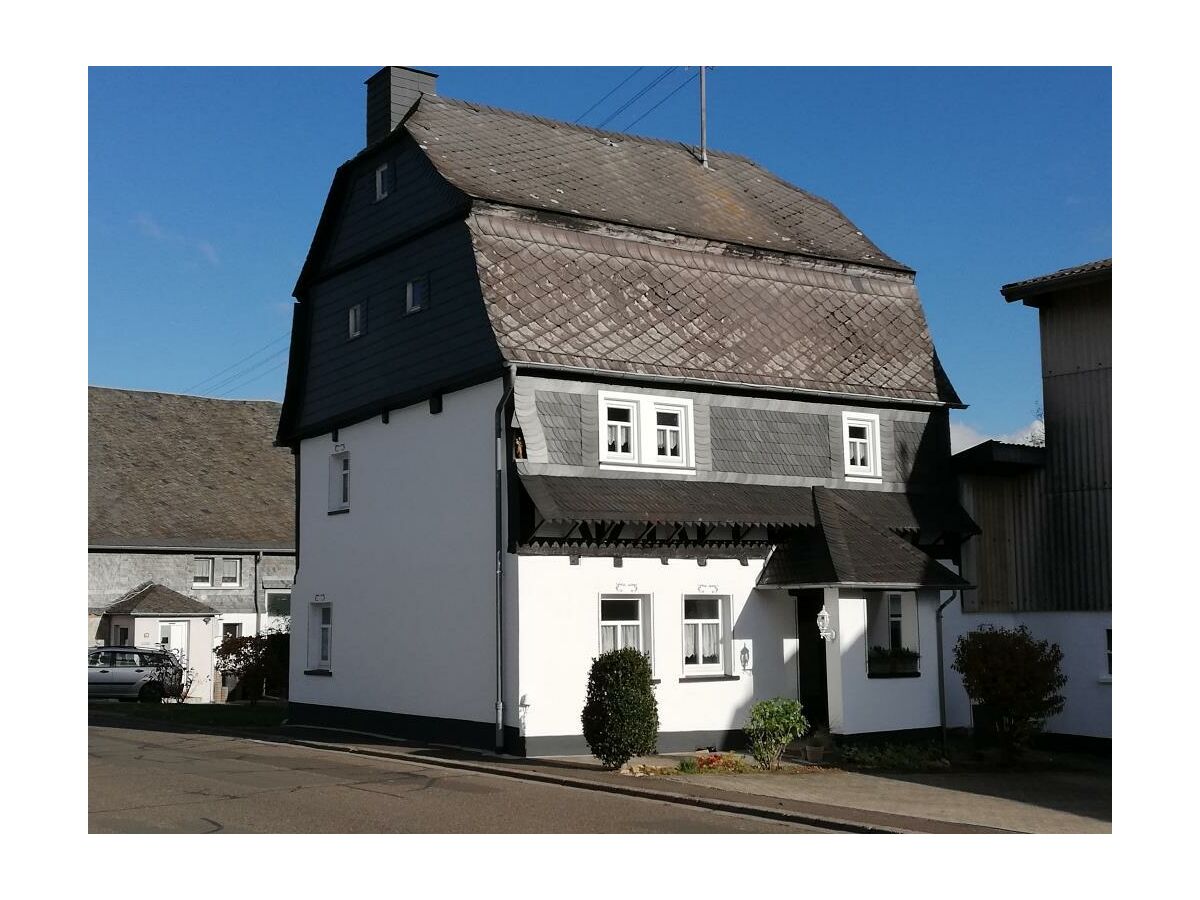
827 633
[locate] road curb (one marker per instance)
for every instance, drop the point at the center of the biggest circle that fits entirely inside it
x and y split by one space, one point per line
632 790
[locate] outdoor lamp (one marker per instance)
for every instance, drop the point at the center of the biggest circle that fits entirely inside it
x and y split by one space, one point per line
823 625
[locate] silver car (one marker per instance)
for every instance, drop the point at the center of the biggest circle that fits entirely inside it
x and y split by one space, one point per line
133 673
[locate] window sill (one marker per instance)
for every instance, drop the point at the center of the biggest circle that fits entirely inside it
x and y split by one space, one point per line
338 512
1105 679
893 674
864 479
689 678
325 673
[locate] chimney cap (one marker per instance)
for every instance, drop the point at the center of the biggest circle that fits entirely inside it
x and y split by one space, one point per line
402 68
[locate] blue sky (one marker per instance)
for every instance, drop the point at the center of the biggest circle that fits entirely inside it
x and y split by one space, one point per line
205 186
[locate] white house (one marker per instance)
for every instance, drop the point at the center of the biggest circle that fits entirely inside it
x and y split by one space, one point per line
555 390
191 525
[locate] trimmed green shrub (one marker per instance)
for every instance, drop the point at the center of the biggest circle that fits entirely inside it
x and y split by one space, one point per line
773 724
1016 677
620 717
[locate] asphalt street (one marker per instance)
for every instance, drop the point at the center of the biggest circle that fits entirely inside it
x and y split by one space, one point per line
164 782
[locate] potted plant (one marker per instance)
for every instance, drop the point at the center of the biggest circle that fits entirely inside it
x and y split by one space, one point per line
893 662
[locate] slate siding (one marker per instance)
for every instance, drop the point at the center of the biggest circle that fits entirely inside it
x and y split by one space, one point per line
770 442
113 574
399 353
737 438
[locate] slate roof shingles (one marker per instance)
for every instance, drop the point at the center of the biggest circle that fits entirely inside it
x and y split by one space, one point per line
169 470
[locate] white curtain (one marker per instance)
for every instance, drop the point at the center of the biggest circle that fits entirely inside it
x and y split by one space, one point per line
689 644
711 645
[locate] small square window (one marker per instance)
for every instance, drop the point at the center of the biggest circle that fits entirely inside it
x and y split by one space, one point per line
860 440
619 419
416 295
382 182
231 571
202 571
624 622
356 321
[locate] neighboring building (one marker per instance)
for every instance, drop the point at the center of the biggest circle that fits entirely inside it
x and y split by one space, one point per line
191 528
556 390
1045 555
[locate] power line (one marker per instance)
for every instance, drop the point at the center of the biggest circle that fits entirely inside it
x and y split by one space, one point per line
638 96
236 375
624 81
679 88
239 362
254 378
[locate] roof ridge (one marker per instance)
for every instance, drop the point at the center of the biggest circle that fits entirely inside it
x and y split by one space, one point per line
124 390
589 129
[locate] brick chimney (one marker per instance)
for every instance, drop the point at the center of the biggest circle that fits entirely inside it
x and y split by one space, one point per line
392 92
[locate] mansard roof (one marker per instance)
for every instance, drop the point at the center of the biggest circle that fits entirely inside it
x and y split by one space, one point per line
169 470
537 163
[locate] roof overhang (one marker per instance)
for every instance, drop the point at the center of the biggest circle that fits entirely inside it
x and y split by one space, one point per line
1033 290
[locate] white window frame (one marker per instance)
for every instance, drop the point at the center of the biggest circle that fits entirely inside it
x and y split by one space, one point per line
873 471
237 583
381 182
277 594
409 306
701 669
895 614
354 321
339 480
212 569
644 409
645 623
320 635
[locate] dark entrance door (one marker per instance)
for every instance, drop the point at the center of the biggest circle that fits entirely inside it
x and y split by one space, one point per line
810 658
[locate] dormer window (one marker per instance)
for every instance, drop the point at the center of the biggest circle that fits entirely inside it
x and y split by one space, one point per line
645 431
860 440
356 321
619 419
382 182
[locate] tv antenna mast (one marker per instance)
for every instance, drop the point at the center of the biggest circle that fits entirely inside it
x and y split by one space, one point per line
703 118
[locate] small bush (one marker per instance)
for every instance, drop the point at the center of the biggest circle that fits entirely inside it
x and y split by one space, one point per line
1015 676
688 766
773 724
910 757
620 717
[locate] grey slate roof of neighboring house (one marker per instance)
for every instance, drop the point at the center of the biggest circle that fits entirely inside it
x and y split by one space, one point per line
168 470
852 550
150 599
1073 276
537 163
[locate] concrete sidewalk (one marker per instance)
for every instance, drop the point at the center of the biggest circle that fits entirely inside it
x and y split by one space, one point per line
945 802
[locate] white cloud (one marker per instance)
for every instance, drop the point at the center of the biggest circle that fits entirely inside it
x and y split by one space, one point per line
963 435
149 227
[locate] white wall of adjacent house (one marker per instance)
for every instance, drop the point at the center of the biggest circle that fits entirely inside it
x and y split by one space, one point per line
860 703
1083 637
408 572
560 635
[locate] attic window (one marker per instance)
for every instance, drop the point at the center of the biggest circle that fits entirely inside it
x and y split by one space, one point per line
356 321
383 182
416 296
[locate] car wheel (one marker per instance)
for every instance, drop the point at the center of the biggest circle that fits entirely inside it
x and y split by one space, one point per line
151 693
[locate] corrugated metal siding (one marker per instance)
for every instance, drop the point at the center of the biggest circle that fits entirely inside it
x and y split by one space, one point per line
1076 331
398 353
1009 561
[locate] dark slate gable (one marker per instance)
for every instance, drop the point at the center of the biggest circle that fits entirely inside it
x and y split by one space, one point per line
150 599
167 470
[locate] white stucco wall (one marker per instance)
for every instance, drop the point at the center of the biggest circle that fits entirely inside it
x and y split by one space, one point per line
559 638
202 637
409 572
860 705
1081 635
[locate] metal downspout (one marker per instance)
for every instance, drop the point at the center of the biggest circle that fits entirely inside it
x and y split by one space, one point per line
941 669
501 459
257 609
